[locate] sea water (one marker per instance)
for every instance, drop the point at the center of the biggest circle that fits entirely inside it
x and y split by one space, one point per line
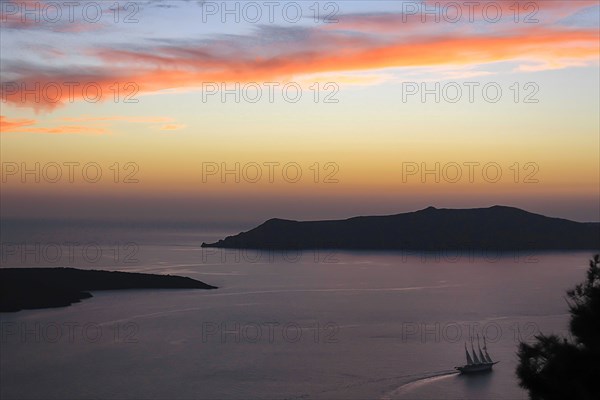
323 324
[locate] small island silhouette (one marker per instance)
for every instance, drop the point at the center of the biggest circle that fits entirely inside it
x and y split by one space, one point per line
30 288
430 229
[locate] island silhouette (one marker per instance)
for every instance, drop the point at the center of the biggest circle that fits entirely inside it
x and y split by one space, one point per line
430 229
31 288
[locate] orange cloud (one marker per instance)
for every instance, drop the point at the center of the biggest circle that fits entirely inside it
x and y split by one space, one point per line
314 51
13 125
172 127
25 126
540 44
66 130
133 120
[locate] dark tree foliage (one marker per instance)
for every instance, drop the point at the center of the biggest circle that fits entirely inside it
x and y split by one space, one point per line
557 368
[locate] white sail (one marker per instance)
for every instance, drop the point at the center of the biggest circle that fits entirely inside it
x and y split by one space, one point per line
487 356
481 356
475 358
469 359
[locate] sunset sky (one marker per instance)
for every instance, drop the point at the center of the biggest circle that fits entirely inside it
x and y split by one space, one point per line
362 121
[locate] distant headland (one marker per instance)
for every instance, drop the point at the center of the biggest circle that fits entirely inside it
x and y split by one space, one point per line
430 229
30 288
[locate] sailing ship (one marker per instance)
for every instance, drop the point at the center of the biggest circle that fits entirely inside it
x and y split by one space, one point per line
477 363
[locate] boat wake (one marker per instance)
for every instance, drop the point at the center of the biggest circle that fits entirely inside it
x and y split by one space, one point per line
340 391
420 382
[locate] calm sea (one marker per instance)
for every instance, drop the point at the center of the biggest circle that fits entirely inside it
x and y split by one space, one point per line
282 325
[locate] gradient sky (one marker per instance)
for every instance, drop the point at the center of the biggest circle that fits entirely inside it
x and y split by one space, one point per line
372 52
